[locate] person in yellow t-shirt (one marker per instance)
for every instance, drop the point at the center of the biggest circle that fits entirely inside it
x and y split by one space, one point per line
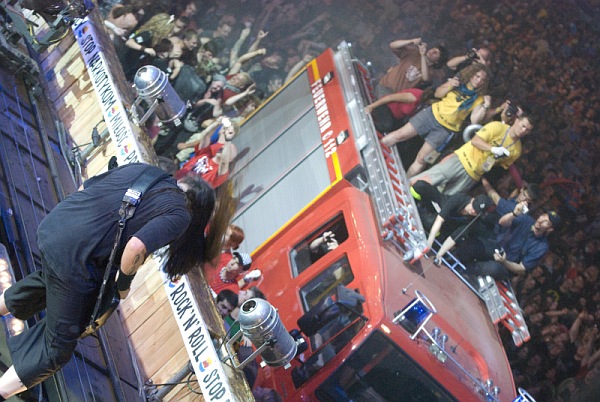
460 96
496 143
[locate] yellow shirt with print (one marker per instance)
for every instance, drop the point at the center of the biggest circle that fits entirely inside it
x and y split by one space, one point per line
494 133
446 111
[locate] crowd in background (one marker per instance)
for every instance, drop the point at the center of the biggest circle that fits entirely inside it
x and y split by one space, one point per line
544 56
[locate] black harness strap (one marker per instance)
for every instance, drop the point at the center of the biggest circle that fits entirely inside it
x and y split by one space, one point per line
131 200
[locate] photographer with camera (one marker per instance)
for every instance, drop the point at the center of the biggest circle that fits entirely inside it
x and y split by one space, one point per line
482 55
415 61
518 241
495 143
520 247
461 97
323 244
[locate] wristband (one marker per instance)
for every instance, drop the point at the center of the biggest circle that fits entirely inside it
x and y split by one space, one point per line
513 212
124 281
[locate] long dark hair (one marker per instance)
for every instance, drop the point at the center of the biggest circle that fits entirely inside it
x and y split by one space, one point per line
188 251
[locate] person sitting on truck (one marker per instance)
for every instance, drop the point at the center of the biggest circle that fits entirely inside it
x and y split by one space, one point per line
460 96
496 143
521 247
392 111
234 235
228 274
447 216
166 143
519 243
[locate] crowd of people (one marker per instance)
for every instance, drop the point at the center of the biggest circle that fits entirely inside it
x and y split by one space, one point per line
226 57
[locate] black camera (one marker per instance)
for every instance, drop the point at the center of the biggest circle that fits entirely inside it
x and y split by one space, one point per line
511 110
472 54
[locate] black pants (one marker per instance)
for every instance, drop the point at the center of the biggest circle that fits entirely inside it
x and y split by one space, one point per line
40 351
384 120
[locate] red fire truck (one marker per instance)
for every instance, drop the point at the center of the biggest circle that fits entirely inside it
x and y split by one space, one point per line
331 224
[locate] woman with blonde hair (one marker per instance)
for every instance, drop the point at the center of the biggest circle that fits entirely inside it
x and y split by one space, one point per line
462 95
139 48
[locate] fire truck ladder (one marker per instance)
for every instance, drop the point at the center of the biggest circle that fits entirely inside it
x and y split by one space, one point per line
386 180
397 212
499 299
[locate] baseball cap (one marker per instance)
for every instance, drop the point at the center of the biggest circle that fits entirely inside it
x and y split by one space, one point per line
244 259
483 203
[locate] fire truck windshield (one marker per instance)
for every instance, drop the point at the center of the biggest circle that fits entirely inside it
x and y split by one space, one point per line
380 371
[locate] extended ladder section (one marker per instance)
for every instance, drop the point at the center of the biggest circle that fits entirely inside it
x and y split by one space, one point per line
386 180
499 299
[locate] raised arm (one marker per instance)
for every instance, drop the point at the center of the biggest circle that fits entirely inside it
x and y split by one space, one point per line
259 37
401 97
235 49
424 65
237 66
490 191
400 43
446 87
478 114
200 137
227 154
298 66
235 98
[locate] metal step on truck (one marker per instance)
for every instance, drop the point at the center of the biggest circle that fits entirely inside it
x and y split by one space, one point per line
332 226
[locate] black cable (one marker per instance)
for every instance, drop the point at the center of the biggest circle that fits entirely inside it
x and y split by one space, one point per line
189 384
171 383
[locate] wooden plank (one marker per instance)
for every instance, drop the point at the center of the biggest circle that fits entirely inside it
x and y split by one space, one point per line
68 72
159 347
140 315
142 288
181 393
171 367
152 329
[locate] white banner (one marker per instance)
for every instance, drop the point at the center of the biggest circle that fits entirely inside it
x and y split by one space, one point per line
113 110
203 355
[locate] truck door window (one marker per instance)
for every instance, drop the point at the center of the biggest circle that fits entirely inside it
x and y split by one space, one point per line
325 284
318 243
329 325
